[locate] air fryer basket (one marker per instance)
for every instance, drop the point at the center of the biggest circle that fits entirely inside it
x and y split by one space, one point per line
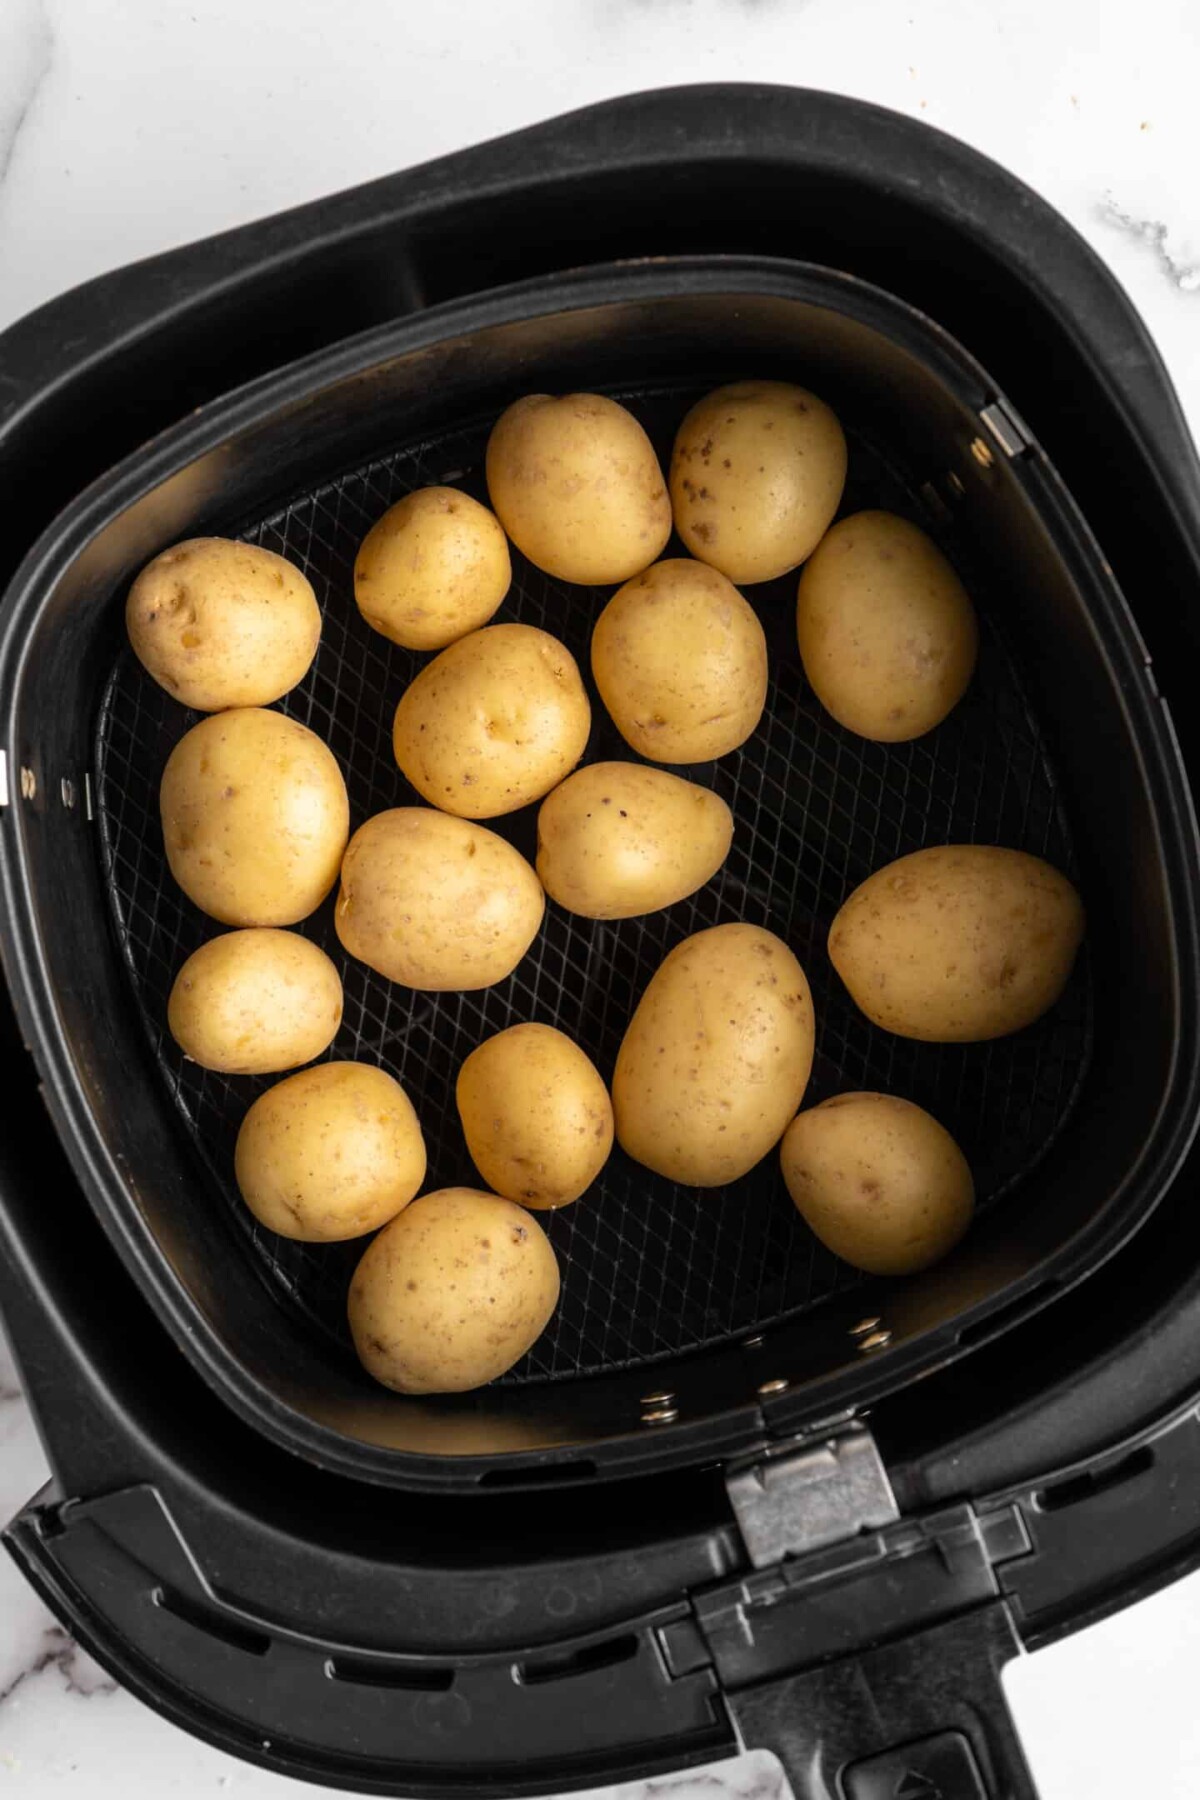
1059 749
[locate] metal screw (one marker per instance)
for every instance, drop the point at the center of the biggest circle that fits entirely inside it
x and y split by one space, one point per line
878 1340
662 1415
954 481
779 1386
753 1343
981 453
663 1399
67 789
863 1326
28 784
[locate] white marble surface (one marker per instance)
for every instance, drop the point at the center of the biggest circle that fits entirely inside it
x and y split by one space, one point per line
127 126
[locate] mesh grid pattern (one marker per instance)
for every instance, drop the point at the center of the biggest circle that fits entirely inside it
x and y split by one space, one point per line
649 1269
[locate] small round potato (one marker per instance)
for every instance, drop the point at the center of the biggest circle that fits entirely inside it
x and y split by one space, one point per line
577 486
756 477
536 1116
879 1181
959 943
254 817
716 1058
330 1153
492 723
618 839
219 623
433 568
452 1293
255 1002
887 631
436 903
680 660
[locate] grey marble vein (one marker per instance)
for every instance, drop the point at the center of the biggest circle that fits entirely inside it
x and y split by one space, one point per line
58 1651
1153 233
29 58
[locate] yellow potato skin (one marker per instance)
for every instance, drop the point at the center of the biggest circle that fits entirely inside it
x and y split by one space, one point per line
616 840
436 903
254 817
218 623
536 1116
958 943
434 567
879 1181
716 1058
577 486
452 1293
756 477
255 1002
330 1154
680 660
492 723
887 633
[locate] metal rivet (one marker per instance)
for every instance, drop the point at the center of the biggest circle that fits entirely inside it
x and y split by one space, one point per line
981 453
876 1341
28 784
863 1326
662 1399
67 789
778 1386
753 1343
662 1415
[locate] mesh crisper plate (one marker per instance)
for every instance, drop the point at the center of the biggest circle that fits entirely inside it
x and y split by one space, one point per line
649 1269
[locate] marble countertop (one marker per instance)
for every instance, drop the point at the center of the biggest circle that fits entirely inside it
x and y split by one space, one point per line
127 126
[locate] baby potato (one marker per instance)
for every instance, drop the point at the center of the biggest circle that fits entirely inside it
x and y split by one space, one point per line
577 486
680 660
887 631
255 1002
254 817
493 722
716 1058
958 943
452 1293
436 903
879 1181
329 1154
535 1114
433 568
219 623
618 839
756 477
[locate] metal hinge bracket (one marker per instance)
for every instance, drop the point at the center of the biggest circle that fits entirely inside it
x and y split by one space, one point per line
1007 427
811 1493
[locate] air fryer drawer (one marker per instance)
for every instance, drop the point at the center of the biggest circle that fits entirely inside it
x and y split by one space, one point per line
1059 749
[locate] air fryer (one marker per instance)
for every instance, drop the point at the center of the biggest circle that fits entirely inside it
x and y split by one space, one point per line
736 1492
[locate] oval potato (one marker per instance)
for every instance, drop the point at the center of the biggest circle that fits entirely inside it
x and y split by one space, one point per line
255 1002
329 1154
219 623
254 817
716 1058
452 1293
536 1116
680 660
887 632
577 486
616 840
756 477
492 723
879 1181
434 567
436 903
958 943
